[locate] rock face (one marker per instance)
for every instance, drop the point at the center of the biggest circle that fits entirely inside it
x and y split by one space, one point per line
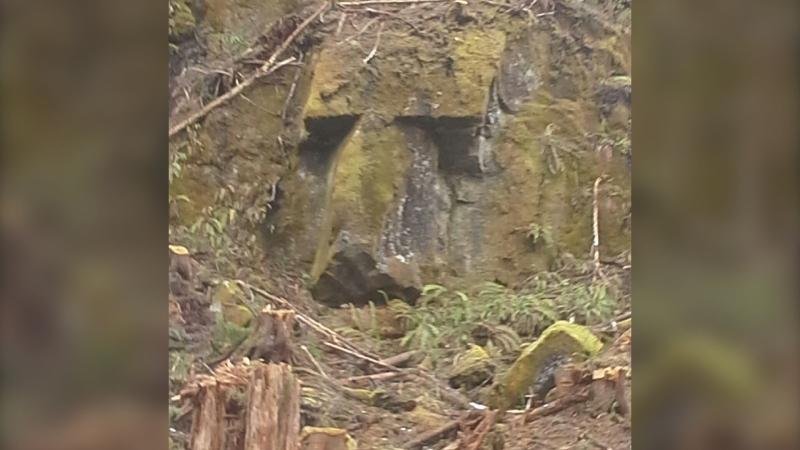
558 342
424 164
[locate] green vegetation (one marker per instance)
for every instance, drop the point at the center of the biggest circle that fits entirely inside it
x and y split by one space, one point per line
446 321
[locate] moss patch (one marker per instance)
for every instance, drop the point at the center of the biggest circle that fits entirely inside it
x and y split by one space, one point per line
409 77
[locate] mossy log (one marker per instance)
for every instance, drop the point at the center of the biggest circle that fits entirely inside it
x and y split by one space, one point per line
208 422
273 412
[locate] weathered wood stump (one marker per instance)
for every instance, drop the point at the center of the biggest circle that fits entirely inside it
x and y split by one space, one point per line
273 338
208 422
326 439
272 419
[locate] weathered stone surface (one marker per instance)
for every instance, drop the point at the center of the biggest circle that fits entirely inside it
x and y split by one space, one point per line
560 340
438 154
518 75
440 87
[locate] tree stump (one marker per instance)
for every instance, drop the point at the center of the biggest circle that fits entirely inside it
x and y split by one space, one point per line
208 422
272 420
271 339
327 439
274 342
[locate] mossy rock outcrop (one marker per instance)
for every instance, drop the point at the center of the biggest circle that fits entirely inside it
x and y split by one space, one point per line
441 155
560 339
451 81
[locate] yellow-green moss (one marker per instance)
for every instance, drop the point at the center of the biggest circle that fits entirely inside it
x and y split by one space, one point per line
192 192
237 314
472 367
403 87
330 76
561 338
227 298
477 54
367 172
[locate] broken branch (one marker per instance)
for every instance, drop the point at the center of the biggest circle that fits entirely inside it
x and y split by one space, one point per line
482 430
287 103
375 47
596 228
382 376
362 357
314 361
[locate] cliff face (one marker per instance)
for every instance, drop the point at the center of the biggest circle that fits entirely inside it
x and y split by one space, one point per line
464 148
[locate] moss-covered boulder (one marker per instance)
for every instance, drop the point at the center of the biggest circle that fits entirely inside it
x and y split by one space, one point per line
226 301
471 368
560 339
